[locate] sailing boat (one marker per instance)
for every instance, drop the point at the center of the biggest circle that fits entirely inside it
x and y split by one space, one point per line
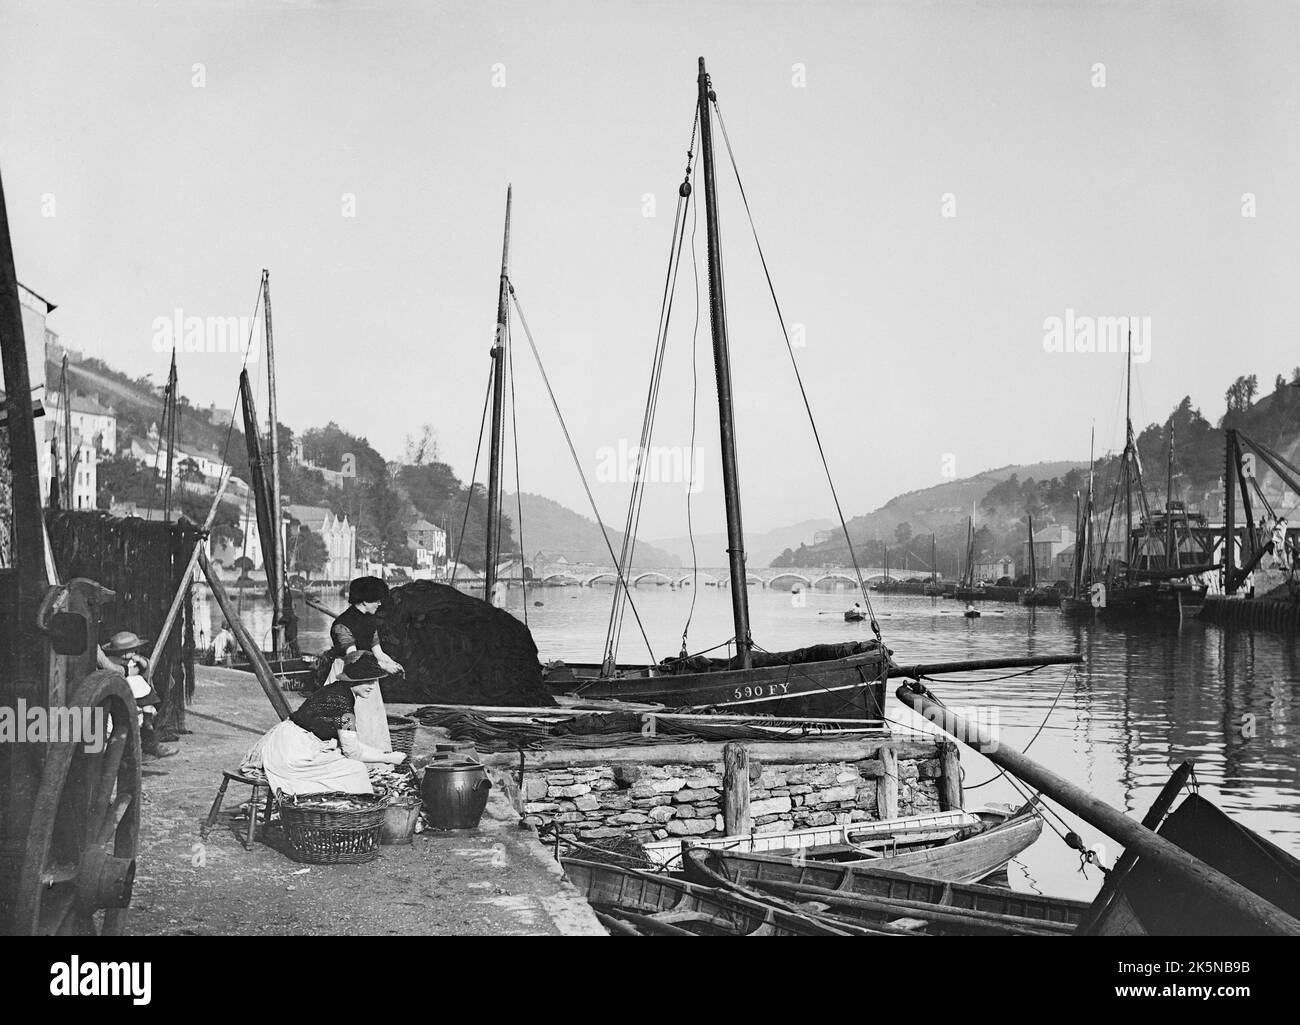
1079 600
1036 595
1143 584
968 589
843 680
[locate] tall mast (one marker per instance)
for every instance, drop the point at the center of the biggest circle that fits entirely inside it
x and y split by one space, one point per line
932 560
276 574
1130 555
1170 556
722 366
169 425
492 550
1033 567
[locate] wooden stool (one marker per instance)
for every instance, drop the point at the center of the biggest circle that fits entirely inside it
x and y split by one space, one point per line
257 783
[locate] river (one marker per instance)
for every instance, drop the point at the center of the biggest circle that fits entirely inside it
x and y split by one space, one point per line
1144 701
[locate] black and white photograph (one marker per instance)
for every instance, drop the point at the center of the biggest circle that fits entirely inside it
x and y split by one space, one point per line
665 468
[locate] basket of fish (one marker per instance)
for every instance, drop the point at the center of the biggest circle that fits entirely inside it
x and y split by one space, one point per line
332 829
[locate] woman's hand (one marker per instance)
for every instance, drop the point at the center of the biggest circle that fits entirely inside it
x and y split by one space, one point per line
395 757
389 666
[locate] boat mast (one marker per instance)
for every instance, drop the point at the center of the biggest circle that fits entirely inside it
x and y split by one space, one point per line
492 549
933 563
276 576
1033 570
722 367
1171 555
1130 554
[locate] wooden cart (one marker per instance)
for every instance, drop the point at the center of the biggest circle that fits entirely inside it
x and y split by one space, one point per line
70 754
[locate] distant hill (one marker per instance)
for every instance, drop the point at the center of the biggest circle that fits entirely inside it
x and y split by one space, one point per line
760 548
556 530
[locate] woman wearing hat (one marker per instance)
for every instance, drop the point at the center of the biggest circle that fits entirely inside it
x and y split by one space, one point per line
123 651
317 750
357 629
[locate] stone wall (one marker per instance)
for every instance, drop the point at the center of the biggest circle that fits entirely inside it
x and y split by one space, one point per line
655 802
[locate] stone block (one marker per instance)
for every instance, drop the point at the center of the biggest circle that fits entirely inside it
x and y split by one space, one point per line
771 806
540 807
630 818
695 796
661 814
572 790
689 827
586 802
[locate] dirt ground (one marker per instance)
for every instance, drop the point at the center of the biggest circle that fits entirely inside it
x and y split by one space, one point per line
495 880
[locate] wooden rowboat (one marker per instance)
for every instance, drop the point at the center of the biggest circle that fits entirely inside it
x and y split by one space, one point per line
953 846
871 895
658 904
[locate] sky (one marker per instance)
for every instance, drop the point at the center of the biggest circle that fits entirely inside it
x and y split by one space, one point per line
931 184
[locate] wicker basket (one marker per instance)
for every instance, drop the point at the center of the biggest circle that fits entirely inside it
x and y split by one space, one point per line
331 836
401 731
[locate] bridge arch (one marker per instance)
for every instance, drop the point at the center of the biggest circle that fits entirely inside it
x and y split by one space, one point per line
793 578
750 578
653 575
836 577
608 575
561 579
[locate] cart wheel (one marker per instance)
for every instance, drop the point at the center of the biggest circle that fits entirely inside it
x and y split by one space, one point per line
80 863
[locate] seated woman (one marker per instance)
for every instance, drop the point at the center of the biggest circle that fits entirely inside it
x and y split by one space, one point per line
316 750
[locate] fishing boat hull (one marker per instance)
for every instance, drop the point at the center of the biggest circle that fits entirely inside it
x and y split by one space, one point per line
1150 901
934 846
1041 597
872 894
655 903
852 687
1152 601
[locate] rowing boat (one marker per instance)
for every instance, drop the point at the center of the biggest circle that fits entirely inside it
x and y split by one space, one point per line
954 846
870 894
659 904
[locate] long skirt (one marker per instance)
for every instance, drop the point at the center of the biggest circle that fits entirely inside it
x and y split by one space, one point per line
299 762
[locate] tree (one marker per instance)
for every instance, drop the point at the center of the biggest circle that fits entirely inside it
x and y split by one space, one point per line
310 554
244 564
123 479
903 533
1241 393
422 447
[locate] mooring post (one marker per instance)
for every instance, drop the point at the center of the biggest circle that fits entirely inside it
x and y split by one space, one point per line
887 784
950 793
736 820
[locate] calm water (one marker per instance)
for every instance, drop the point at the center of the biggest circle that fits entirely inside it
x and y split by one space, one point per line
1144 701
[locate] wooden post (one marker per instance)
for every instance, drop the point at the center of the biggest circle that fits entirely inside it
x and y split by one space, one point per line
887 784
950 795
736 820
183 587
254 652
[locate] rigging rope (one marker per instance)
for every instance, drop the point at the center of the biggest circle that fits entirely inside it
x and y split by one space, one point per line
637 498
519 500
546 381
695 395
469 490
862 586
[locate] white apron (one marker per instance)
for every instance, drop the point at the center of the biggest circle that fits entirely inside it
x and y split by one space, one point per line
299 762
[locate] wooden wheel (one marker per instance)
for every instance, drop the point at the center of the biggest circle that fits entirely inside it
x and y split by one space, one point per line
80 863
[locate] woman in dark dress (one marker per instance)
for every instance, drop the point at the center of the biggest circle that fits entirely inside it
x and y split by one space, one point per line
317 749
357 629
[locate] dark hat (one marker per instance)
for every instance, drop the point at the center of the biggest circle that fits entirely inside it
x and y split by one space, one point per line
362 667
367 589
122 642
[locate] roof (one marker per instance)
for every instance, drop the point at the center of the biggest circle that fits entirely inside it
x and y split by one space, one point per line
1056 533
422 525
80 404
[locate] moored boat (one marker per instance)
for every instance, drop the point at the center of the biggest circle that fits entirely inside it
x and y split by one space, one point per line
953 846
870 894
658 904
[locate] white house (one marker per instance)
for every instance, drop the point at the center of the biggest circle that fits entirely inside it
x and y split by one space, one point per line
429 542
339 535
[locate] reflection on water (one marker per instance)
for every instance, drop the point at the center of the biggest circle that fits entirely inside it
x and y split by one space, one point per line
1143 702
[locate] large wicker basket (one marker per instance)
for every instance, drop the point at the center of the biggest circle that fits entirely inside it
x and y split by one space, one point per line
331 836
401 731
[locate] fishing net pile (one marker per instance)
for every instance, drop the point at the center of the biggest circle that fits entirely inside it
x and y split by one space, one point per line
458 650
141 562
